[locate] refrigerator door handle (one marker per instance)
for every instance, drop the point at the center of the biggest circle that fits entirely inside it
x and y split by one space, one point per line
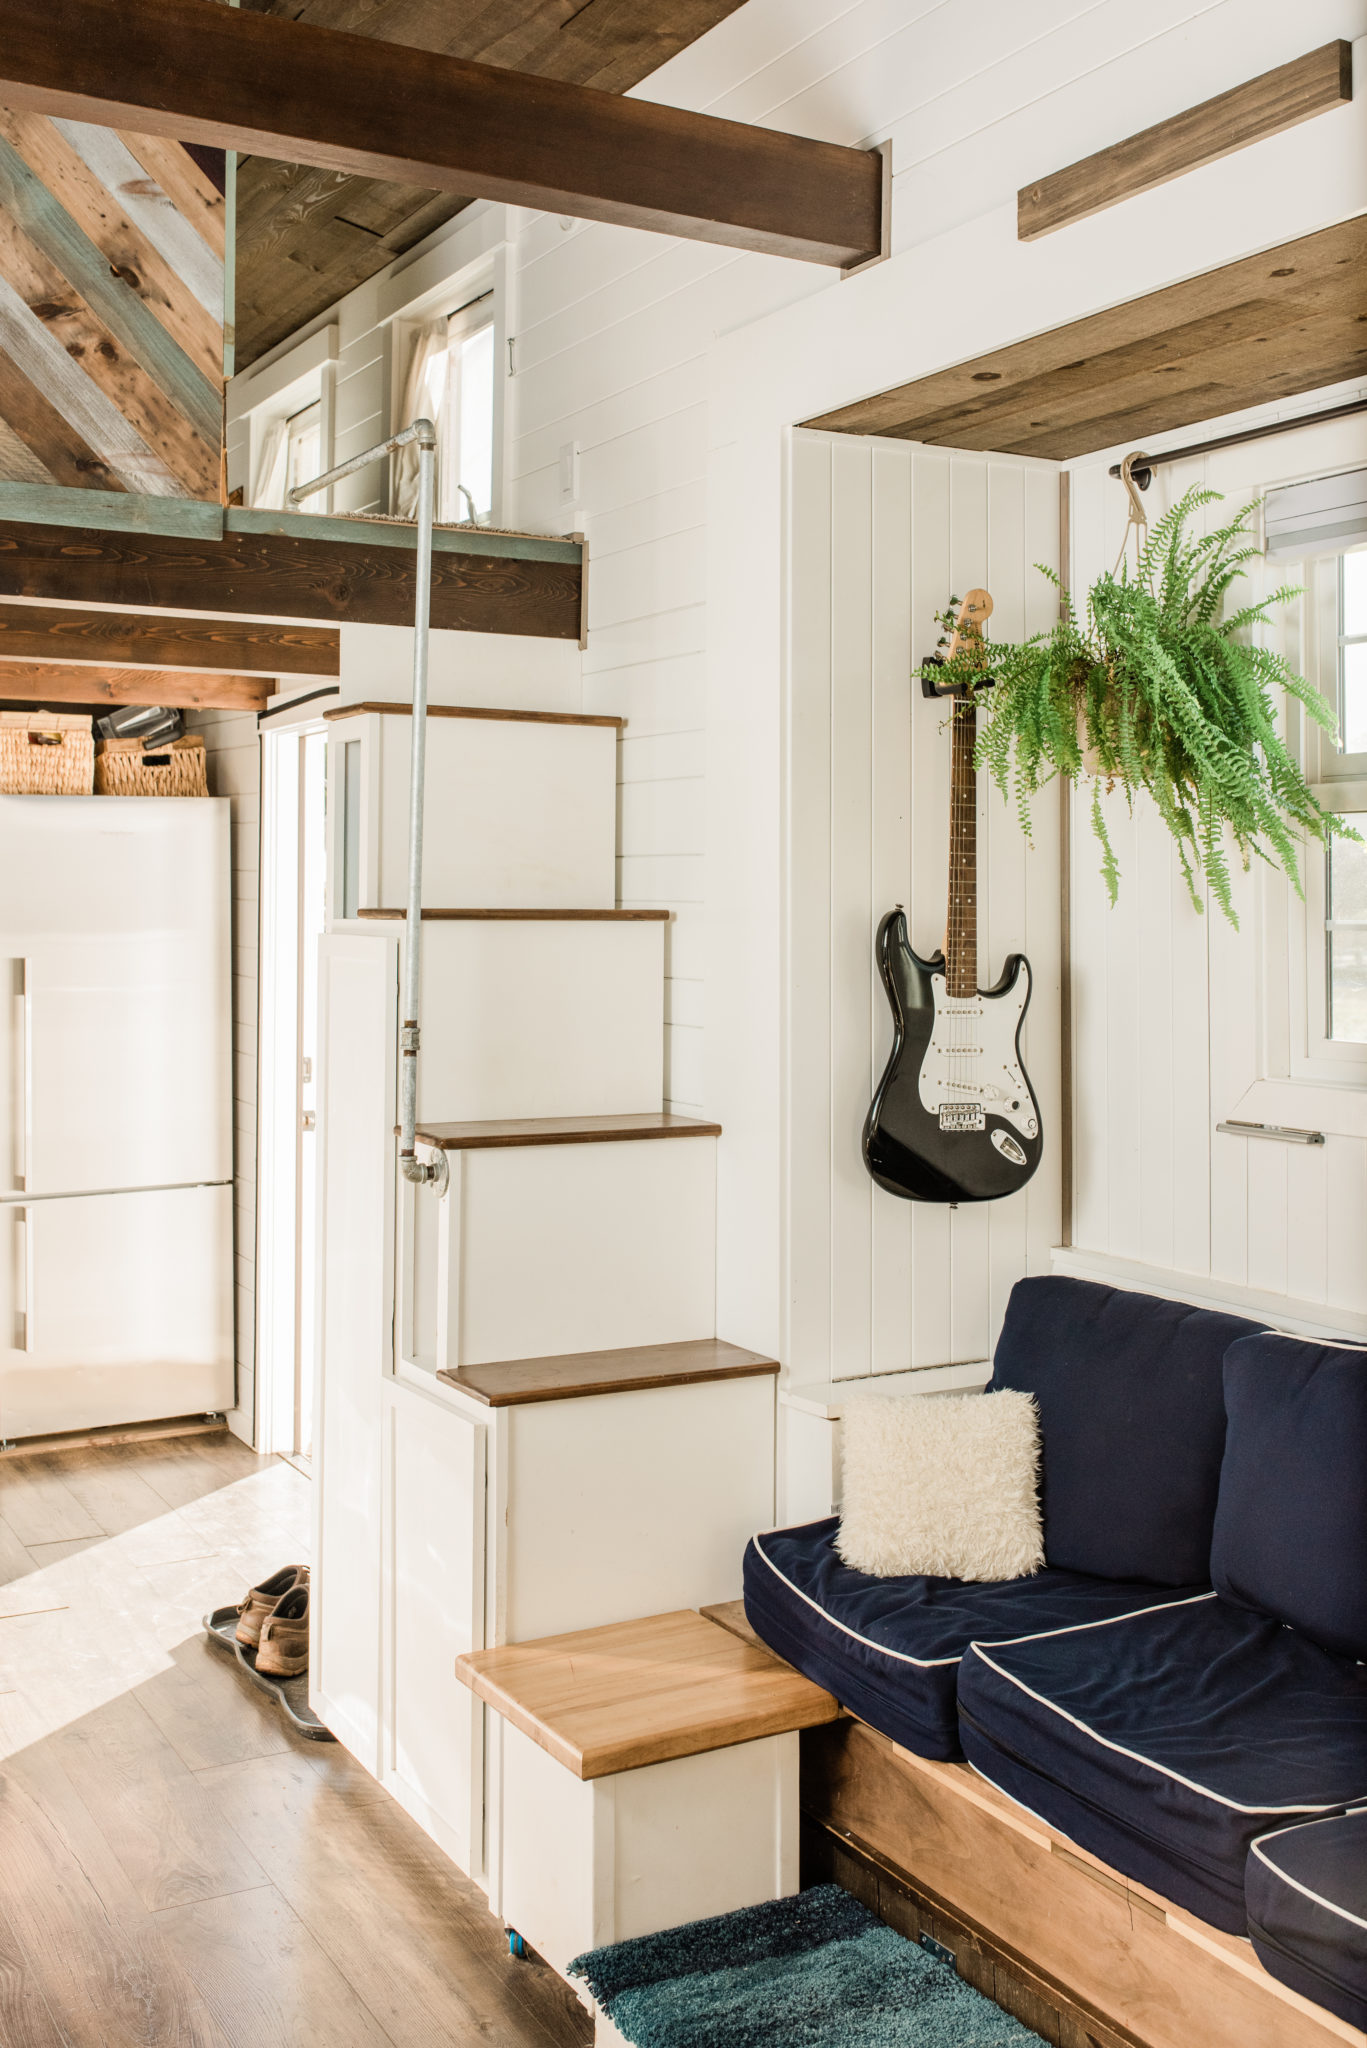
21 1072
26 1225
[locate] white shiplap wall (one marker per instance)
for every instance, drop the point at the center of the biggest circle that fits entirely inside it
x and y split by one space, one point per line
1180 1019
657 359
881 535
234 765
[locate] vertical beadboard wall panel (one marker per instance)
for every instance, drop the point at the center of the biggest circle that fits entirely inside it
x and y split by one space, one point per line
233 752
879 536
1177 1015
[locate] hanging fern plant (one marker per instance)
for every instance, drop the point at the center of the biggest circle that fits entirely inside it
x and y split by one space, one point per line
1155 690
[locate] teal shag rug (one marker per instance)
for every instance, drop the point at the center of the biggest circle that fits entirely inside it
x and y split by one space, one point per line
814 1971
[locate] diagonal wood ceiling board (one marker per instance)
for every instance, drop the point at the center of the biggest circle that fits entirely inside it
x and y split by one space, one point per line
1267 326
31 416
93 349
307 237
178 179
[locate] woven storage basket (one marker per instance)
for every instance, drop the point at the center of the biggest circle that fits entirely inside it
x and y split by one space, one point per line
46 753
127 768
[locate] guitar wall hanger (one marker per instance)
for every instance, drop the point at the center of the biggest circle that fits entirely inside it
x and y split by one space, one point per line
930 687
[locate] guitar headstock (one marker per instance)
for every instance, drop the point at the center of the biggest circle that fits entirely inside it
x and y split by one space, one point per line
969 621
965 637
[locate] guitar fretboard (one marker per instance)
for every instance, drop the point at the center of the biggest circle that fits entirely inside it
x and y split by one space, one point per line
961 927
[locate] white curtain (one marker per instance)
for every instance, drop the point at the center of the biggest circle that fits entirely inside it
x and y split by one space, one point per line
272 466
419 398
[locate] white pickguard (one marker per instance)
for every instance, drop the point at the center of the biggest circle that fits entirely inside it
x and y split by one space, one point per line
971 1069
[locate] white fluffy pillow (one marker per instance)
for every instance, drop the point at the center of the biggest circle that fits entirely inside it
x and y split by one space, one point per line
945 1485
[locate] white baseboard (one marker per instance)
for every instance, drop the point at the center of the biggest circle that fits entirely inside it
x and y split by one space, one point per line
1279 1311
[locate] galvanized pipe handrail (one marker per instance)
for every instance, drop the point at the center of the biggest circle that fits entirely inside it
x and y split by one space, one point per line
425 434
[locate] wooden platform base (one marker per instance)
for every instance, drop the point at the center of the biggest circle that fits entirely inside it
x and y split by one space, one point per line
1118 1966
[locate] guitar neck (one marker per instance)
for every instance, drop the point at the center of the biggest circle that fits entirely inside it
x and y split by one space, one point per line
961 927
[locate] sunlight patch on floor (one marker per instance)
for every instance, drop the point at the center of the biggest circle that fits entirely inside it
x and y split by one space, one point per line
60 1657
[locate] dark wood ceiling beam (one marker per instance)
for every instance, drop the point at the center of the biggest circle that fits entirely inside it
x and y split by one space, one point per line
279 88
38 633
49 683
268 575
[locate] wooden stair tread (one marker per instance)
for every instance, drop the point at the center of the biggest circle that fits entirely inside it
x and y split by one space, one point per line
536 915
513 1382
562 1130
641 1692
476 711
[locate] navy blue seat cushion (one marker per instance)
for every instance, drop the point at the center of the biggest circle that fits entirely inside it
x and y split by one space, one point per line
889 1649
1166 1742
1291 1527
1307 1911
1132 1421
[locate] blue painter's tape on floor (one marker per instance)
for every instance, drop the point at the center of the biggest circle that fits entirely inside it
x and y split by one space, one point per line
814 1971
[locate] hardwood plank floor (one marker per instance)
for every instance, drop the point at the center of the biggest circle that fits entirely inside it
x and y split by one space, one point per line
177 1868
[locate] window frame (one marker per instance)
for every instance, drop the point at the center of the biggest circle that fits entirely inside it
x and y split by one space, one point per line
299 425
1339 781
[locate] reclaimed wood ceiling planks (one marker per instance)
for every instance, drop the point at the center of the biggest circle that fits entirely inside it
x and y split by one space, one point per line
111 311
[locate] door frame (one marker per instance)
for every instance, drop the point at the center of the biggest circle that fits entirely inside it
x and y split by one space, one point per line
284 1260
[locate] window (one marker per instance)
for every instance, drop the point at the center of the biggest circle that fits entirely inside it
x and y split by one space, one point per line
466 420
450 379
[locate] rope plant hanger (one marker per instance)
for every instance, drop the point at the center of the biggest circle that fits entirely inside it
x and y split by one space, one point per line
1158 687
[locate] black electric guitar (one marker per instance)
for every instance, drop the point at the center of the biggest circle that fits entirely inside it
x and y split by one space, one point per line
954 1118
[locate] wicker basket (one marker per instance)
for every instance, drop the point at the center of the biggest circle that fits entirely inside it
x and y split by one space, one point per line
127 768
46 753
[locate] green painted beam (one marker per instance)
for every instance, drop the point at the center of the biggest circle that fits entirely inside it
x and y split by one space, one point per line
446 540
110 511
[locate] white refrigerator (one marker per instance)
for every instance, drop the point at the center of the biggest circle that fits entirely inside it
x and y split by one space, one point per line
116 1111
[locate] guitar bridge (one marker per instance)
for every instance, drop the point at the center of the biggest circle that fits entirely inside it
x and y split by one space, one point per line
962 1116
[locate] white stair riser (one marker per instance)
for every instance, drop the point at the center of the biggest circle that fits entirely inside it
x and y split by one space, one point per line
633 1503
584 1864
539 1018
518 814
536 1250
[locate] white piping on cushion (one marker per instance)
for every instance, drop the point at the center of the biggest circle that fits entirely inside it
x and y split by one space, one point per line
1103 1621
934 1663
921 1663
1159 1770
1329 1904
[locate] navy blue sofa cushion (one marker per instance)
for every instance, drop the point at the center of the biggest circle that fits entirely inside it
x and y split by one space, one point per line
1132 1420
1291 1527
1307 1911
889 1649
1166 1742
